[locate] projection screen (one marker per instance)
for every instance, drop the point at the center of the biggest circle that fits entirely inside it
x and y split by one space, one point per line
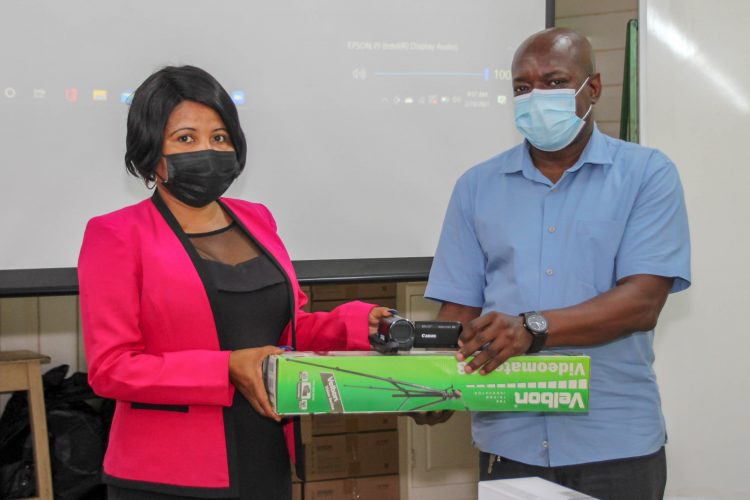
360 115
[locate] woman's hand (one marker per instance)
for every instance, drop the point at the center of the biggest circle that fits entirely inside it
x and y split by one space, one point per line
375 315
246 373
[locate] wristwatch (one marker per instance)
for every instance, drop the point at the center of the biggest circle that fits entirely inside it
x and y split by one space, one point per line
537 326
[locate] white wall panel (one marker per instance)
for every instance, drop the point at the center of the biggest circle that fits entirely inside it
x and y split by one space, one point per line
19 324
606 31
58 330
573 8
610 63
695 98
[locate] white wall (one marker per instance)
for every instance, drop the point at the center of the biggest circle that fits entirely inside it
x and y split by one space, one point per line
604 22
695 99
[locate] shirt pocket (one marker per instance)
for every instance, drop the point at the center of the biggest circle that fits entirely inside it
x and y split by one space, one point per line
596 245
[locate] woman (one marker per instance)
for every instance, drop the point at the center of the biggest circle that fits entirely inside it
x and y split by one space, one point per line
183 296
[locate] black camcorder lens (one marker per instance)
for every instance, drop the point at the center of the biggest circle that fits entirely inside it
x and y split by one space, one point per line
397 329
402 331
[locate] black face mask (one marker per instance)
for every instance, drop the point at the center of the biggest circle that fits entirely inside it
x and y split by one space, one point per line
199 178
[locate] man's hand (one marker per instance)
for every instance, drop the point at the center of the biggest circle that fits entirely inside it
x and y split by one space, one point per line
430 417
246 373
497 336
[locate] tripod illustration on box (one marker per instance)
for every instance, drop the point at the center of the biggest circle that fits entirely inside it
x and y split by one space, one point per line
399 388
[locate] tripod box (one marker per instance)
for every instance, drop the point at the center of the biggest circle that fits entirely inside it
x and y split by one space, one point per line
367 382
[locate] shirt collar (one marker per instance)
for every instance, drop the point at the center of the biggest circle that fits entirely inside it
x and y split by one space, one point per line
596 152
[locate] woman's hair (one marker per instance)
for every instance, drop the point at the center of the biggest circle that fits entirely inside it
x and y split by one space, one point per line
155 100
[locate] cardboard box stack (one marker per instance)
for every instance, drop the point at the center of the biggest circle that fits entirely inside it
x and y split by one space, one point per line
296 491
375 488
326 297
350 456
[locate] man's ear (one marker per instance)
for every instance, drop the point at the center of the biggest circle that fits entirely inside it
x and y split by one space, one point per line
595 87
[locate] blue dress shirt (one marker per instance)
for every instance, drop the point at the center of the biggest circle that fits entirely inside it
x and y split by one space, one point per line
512 241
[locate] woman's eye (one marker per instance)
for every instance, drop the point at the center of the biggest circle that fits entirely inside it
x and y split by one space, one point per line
220 138
185 138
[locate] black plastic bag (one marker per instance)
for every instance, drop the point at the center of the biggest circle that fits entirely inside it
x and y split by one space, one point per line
77 425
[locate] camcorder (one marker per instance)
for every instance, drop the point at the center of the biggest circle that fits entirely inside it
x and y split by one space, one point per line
396 334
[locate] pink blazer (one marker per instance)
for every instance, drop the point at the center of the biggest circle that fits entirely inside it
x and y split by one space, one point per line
151 344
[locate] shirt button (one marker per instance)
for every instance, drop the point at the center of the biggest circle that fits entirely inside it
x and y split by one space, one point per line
549 272
545 444
552 229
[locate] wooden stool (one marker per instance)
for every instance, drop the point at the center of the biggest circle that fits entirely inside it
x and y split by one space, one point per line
20 371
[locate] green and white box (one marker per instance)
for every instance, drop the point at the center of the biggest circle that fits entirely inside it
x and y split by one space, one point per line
367 382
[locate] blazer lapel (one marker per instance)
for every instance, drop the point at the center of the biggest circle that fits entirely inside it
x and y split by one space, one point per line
200 267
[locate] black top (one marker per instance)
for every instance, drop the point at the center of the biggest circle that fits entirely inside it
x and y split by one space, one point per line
252 311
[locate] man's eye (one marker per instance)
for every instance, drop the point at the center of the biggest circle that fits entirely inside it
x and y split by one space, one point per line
556 83
521 89
185 138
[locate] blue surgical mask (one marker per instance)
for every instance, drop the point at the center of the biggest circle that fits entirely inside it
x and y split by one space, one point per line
547 118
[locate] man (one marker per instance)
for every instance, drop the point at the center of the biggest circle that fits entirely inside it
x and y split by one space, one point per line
569 242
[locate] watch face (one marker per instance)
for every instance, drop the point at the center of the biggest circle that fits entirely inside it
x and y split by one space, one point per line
536 322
